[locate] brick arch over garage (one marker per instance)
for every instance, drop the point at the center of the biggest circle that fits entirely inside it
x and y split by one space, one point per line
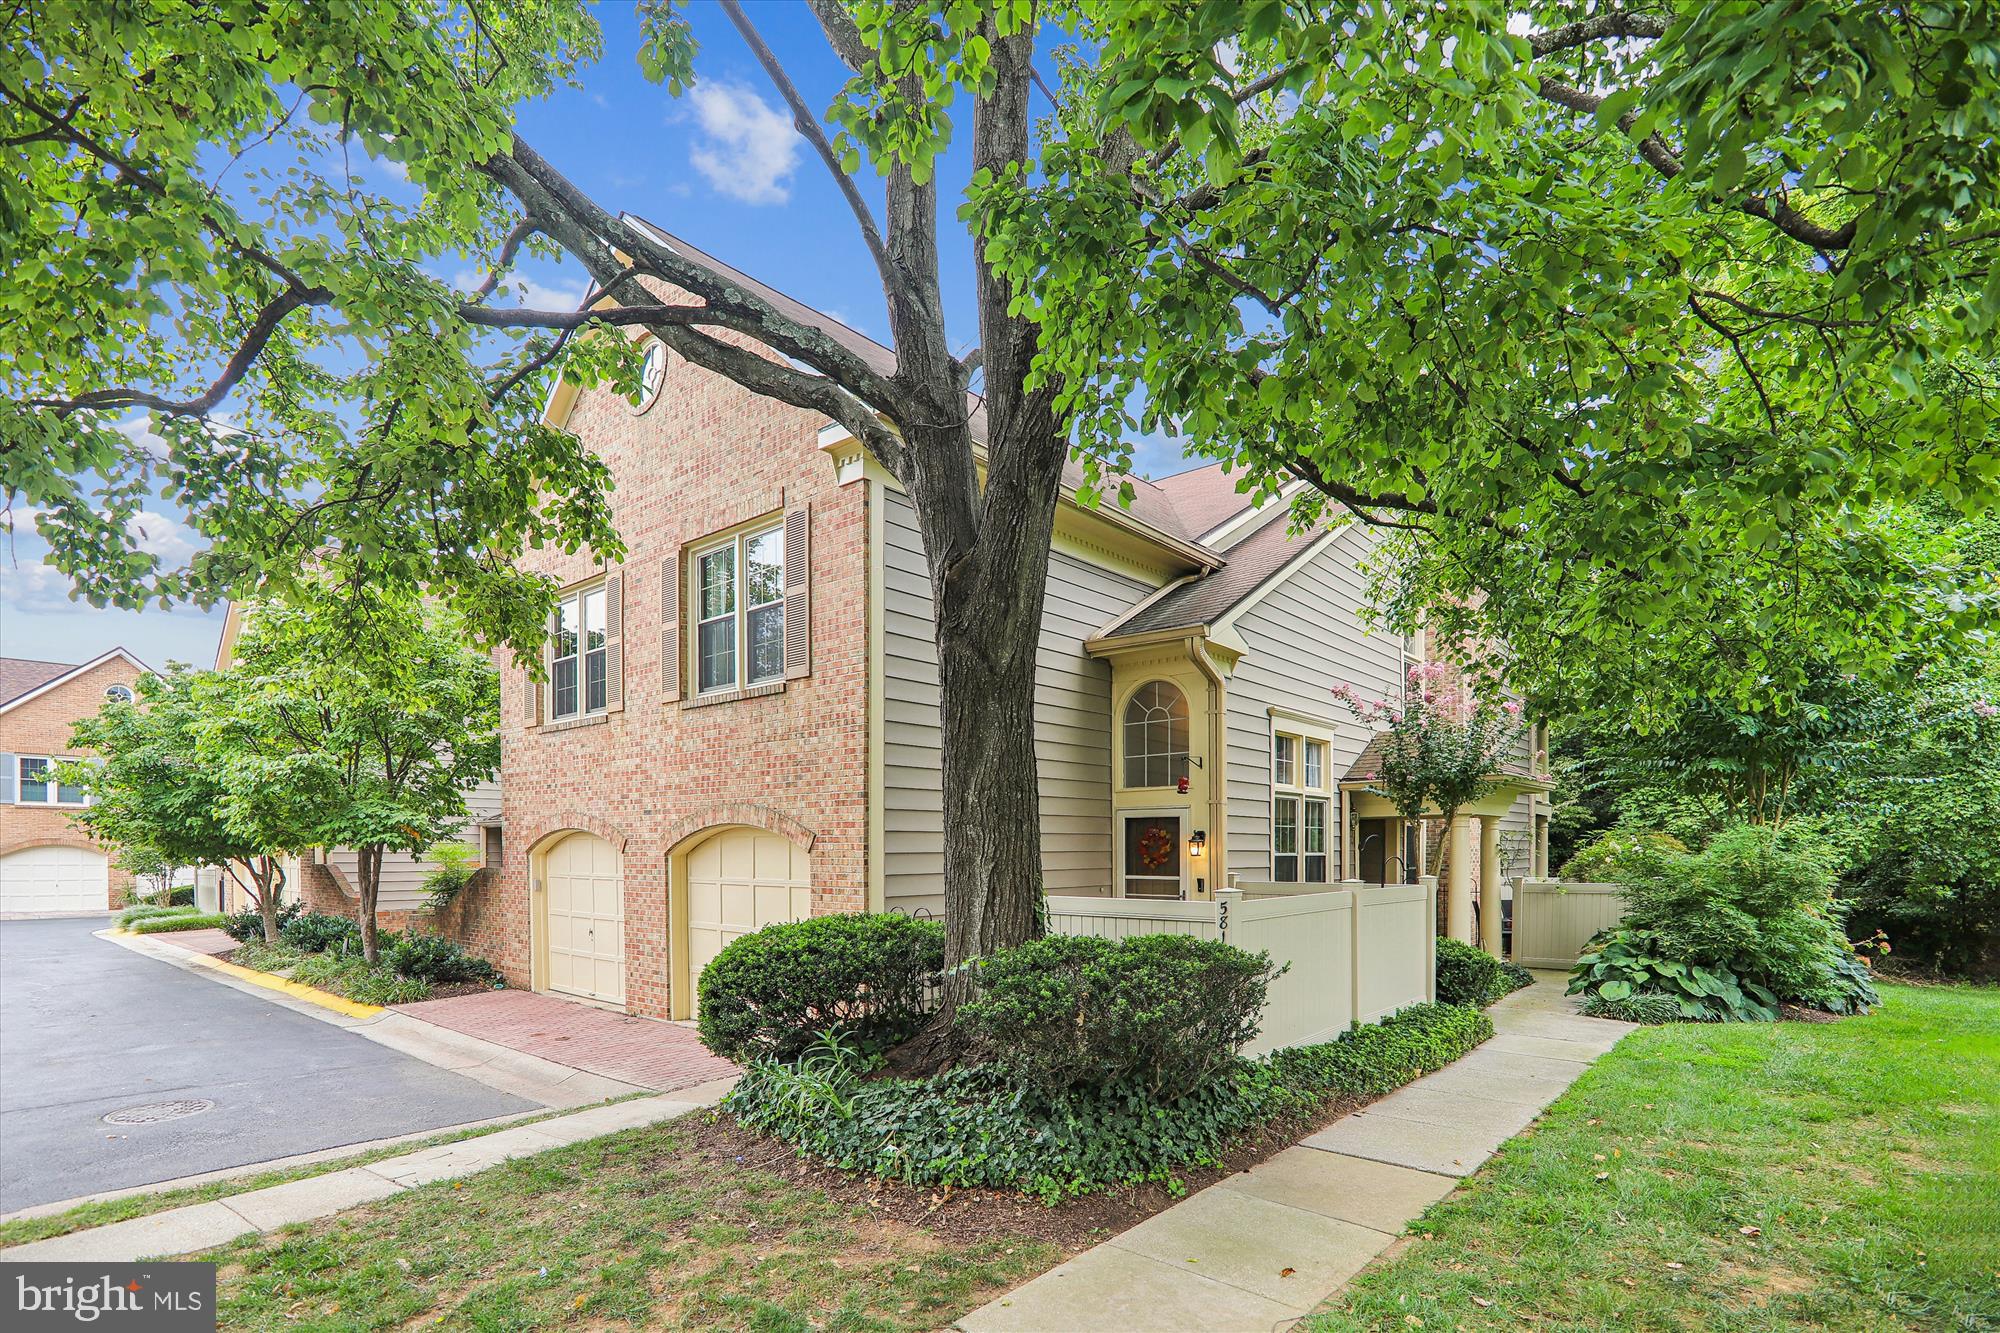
740 814
571 821
31 841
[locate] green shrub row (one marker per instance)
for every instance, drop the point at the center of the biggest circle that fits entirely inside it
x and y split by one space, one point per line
155 925
141 911
248 924
324 950
984 1126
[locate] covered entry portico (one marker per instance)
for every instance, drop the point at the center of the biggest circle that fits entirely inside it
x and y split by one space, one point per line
1480 819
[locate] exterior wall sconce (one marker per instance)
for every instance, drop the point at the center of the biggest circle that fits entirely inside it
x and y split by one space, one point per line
1198 842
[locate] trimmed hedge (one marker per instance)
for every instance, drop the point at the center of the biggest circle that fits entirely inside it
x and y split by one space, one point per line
1162 1013
865 978
1470 976
158 925
437 960
982 1127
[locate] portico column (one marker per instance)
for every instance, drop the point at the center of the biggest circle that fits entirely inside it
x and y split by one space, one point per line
1489 884
1541 845
1458 893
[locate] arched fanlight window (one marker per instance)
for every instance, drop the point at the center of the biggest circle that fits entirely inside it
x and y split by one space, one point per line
652 375
1156 736
118 694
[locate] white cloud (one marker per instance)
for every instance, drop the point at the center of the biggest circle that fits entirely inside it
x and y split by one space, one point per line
750 148
163 536
533 295
37 585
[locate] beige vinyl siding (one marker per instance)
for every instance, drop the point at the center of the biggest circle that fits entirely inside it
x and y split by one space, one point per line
1072 723
402 874
1303 639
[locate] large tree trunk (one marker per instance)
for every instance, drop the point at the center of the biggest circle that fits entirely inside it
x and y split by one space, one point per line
369 862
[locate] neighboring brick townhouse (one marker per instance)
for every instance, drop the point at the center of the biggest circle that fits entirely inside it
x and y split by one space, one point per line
739 725
47 863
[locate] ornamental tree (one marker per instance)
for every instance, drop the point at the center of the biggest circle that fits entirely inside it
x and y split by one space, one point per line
1442 747
373 708
1614 311
160 789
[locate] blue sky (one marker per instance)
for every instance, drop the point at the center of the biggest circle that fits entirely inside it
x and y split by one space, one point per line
720 166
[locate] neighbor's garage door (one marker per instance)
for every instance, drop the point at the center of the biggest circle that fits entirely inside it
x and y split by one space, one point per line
585 878
739 881
54 879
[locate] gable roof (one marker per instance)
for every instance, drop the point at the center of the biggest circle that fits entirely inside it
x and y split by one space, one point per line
20 668
1253 562
1204 498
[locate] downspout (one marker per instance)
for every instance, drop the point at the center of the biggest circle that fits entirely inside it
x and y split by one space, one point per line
1218 765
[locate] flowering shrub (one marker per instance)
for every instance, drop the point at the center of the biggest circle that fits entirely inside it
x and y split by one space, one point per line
1441 747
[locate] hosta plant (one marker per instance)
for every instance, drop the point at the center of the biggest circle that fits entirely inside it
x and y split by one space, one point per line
1624 961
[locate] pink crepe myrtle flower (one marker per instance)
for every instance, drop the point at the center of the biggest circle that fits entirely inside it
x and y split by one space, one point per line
1513 708
1985 709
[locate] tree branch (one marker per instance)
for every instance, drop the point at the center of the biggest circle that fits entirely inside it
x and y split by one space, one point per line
808 126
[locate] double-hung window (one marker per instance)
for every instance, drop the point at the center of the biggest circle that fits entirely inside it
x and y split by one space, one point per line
36 783
739 634
576 655
1300 809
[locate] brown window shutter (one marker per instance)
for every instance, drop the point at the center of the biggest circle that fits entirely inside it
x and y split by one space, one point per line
798 592
532 696
670 628
614 642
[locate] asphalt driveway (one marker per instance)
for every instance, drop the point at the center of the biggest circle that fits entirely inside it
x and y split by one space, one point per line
89 1029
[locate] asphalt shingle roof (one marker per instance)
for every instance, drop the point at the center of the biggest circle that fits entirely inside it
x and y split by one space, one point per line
18 675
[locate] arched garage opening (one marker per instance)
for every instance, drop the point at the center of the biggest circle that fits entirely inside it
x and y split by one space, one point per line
579 917
723 883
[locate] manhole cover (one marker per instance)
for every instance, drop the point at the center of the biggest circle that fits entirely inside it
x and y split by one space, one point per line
152 1113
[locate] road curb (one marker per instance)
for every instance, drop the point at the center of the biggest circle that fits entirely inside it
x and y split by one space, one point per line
339 1004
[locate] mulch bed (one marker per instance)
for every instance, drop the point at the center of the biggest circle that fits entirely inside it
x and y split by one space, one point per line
970 1215
1798 1013
452 991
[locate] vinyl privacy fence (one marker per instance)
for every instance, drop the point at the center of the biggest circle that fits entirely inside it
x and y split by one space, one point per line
1553 920
1352 954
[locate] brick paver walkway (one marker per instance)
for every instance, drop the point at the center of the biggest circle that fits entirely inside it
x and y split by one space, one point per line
642 1051
210 942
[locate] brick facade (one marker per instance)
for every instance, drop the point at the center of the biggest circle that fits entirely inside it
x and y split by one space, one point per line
41 726
653 776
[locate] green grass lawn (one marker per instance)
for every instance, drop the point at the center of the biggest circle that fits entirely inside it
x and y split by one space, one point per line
1753 1176
637 1229
103 1212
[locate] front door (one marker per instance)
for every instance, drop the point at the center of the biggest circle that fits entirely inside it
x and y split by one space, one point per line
1153 864
584 882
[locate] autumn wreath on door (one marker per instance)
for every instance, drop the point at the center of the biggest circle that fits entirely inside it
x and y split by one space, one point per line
1156 849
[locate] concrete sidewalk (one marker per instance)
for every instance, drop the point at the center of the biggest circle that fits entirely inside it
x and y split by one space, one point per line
204 1225
1263 1248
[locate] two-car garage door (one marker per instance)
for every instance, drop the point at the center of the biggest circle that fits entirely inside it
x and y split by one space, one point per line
737 881
54 879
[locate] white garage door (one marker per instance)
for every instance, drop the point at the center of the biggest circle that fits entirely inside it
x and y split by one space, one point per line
740 881
54 879
583 879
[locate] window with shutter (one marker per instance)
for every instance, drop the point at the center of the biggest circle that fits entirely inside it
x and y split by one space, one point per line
614 642
6 779
670 628
798 593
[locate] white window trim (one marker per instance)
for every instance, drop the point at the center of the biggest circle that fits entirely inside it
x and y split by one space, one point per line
740 611
577 595
1179 815
1301 734
54 802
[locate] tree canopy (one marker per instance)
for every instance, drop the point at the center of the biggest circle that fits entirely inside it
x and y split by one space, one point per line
1628 316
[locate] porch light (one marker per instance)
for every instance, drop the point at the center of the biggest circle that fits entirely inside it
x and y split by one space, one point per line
1198 842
